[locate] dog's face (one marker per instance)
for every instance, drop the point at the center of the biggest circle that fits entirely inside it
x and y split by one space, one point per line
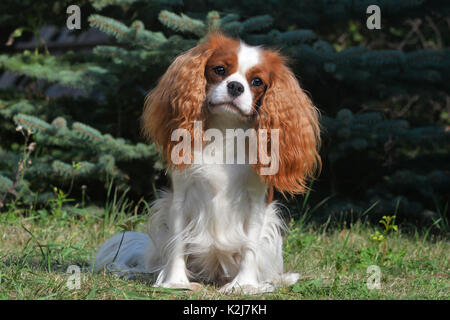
237 77
224 76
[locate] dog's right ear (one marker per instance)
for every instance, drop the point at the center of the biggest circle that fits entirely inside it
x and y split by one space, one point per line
178 99
286 107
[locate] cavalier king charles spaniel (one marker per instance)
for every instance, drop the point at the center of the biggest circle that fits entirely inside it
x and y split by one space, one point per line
218 223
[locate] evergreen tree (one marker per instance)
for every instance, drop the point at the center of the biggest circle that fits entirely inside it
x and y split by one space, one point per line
372 157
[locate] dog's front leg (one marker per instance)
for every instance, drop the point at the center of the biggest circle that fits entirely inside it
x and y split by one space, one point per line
246 280
174 273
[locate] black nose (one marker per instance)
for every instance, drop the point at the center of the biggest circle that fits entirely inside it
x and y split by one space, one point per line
235 89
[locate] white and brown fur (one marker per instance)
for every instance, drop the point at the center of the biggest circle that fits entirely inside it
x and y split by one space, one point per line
216 224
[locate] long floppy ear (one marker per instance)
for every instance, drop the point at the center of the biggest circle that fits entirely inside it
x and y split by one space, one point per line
178 99
286 107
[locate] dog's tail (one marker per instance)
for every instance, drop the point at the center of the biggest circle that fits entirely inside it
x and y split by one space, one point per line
127 254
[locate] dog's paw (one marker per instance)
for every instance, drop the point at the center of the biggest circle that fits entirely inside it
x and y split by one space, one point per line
289 278
234 287
193 286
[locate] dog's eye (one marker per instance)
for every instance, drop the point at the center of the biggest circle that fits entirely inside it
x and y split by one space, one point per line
257 82
219 70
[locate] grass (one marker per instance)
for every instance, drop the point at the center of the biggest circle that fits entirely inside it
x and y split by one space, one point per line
37 249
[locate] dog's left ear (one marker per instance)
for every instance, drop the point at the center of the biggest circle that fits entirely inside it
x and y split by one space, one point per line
286 107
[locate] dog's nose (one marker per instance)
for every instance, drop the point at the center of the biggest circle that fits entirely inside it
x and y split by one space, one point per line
235 89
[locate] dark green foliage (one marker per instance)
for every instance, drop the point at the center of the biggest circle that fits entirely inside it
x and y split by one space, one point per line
377 159
379 151
318 13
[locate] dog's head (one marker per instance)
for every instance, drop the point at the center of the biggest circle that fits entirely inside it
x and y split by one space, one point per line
226 77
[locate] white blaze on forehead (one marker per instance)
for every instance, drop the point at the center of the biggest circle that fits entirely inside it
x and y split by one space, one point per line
248 57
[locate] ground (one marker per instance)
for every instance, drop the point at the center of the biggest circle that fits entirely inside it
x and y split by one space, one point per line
37 248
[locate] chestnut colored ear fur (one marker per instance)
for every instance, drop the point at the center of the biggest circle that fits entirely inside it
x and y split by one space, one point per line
286 107
178 99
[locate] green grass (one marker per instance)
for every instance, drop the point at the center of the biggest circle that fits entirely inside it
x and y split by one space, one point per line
36 250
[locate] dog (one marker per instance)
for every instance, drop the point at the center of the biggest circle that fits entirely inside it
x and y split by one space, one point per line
218 224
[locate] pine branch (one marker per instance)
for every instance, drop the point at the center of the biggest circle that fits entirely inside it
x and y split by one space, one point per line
182 23
54 69
100 4
135 35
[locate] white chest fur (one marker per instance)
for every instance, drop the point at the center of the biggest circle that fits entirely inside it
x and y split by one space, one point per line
218 208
